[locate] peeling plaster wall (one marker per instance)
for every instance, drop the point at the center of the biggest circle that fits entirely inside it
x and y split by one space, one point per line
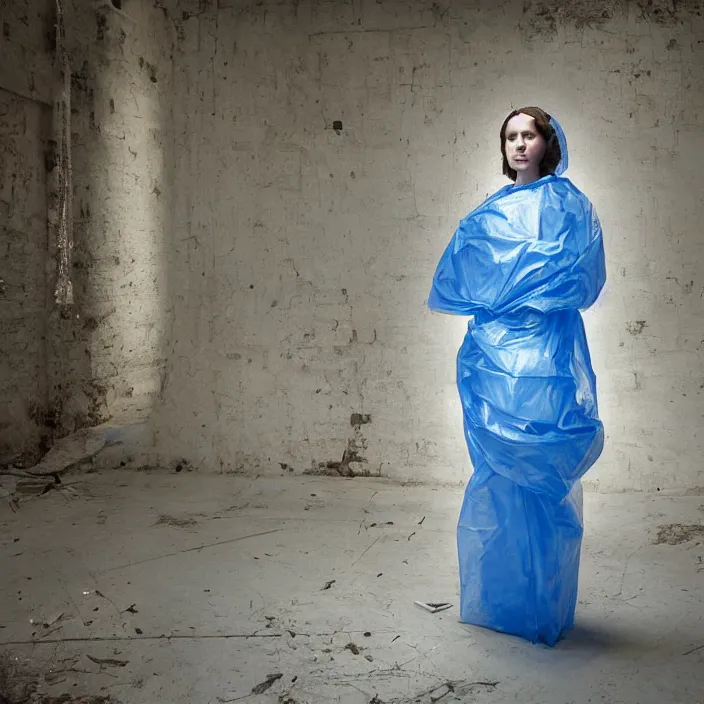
302 254
63 369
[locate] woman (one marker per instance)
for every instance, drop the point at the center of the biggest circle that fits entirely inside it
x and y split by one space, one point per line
523 264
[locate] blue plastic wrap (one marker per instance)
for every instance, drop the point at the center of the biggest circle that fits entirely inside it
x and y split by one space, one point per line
523 264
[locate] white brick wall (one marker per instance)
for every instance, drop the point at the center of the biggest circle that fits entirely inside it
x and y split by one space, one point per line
301 258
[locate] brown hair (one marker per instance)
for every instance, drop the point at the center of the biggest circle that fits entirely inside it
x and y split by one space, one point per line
545 129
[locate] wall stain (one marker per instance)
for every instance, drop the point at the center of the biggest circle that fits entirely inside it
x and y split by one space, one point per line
358 419
678 533
543 18
101 22
668 12
343 467
175 521
636 327
686 287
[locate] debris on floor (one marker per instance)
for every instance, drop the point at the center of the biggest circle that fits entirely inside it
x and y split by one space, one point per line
67 453
20 684
460 691
267 683
175 521
343 467
112 662
433 607
442 691
73 450
246 618
17 486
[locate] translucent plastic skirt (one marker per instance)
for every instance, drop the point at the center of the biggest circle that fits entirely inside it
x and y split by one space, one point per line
531 423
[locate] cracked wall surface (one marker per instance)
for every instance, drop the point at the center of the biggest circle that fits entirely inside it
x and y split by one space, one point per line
325 153
64 368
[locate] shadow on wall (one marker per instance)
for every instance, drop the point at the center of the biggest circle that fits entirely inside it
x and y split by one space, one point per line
28 193
100 358
24 138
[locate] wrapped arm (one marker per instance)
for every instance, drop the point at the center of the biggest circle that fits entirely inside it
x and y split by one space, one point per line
546 254
450 292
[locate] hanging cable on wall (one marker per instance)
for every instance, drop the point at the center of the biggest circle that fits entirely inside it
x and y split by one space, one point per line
63 293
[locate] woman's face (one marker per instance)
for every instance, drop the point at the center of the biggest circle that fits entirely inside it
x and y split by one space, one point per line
525 147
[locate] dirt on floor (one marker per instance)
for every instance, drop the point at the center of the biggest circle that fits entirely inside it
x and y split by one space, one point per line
21 684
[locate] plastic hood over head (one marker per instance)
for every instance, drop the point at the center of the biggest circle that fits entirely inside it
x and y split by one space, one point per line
562 141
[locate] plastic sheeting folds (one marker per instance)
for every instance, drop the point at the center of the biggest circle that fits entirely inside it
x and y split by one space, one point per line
523 264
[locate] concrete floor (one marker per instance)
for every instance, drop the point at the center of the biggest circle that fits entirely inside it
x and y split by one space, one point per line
205 585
